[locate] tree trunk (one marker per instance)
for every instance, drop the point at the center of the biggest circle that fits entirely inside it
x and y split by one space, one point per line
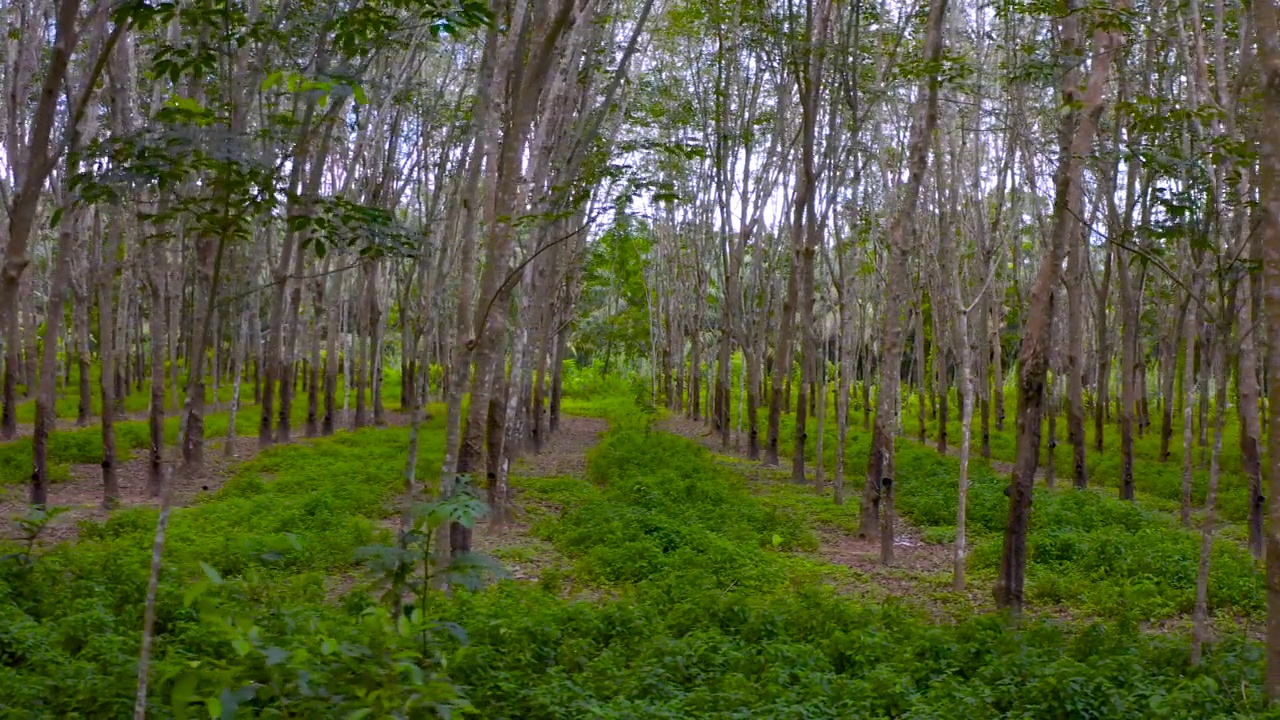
1250 425
1168 379
106 344
209 257
237 372
820 410
331 356
1076 260
9 414
877 494
1077 137
780 383
922 382
1200 629
1188 404
966 420
1128 377
46 397
1103 379
1267 30
557 380
158 325
84 351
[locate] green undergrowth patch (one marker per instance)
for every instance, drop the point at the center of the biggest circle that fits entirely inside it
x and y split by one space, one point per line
79 446
1087 550
705 621
138 397
667 509
273 536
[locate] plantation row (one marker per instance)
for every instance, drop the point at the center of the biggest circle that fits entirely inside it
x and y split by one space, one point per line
691 594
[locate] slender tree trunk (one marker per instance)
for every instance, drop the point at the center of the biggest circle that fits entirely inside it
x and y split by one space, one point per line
557 379
84 352
46 397
9 414
149 608
819 452
997 371
237 373
379 325
1168 381
106 343
966 421
288 366
843 392
1250 425
1128 377
1076 260
1200 629
1188 405
753 363
331 356
210 253
1077 137
1267 29
158 325
360 371
1103 379
922 382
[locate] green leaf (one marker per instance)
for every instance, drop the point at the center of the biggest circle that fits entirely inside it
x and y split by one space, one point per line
184 690
357 714
213 574
276 655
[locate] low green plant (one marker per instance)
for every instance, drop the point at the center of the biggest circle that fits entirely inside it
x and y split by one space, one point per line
701 622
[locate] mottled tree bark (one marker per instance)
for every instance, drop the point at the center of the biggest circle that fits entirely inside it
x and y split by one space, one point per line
877 497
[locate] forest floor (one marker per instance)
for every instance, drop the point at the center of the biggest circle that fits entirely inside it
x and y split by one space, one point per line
921 572
81 494
79 497
544 484
513 543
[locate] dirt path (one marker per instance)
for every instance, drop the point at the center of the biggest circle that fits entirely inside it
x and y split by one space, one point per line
513 544
920 574
81 493
566 453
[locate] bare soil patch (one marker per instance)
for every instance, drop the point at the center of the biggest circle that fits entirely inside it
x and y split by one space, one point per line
512 544
565 454
82 492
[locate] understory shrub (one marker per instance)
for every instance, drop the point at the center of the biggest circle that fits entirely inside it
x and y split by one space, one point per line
700 623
